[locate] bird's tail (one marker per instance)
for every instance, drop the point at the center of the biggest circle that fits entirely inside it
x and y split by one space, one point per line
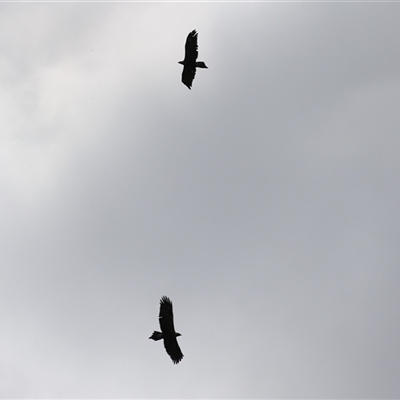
201 64
156 335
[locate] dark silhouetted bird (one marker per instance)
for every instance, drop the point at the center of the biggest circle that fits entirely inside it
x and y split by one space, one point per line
189 63
166 319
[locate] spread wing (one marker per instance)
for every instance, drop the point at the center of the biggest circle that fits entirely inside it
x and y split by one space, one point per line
173 349
189 71
166 316
191 52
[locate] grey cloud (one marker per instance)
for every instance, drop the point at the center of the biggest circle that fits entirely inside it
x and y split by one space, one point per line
263 202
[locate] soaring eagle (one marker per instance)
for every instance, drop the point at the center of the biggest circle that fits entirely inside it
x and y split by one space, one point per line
189 63
166 319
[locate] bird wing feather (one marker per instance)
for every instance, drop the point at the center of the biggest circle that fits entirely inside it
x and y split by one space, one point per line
173 349
191 52
188 75
166 316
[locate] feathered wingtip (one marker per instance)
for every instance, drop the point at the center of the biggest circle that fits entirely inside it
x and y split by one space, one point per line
165 299
156 336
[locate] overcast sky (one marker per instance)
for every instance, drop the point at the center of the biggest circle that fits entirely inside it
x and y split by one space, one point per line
265 202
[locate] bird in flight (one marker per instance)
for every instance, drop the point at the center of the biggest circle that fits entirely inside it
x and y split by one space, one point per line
189 63
168 334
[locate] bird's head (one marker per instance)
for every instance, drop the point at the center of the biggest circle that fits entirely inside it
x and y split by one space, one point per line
177 334
180 62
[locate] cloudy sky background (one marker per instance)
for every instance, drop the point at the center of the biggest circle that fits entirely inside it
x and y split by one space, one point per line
264 202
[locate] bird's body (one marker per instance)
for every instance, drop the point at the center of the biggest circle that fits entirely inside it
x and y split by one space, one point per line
168 334
189 63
